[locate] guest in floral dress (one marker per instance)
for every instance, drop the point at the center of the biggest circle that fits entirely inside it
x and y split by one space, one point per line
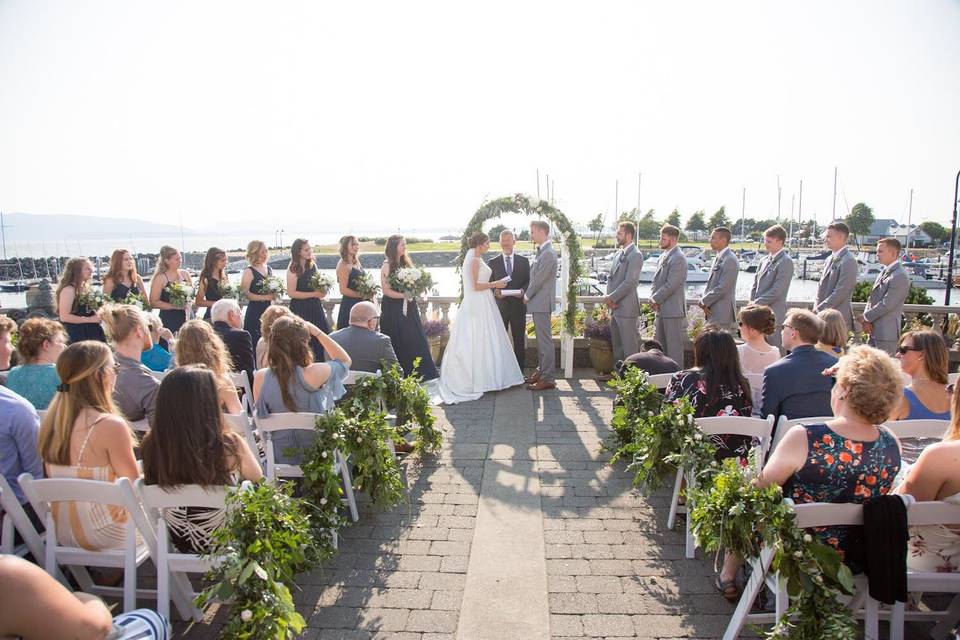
715 386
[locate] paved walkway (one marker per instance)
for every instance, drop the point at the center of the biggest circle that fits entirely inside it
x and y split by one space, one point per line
517 530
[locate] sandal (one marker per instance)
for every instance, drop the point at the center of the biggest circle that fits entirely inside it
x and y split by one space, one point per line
728 589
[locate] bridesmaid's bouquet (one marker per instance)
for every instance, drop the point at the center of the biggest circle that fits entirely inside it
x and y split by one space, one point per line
91 299
367 286
411 281
270 286
228 290
136 300
321 282
180 294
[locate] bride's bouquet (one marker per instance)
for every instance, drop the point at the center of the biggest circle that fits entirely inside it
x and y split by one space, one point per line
180 294
270 286
91 299
321 282
411 282
367 286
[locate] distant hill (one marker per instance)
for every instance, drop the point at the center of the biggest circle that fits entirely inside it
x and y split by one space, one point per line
30 227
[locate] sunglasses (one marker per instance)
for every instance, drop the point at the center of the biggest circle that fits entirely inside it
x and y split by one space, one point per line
902 350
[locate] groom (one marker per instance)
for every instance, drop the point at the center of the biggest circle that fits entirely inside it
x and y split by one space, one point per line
539 298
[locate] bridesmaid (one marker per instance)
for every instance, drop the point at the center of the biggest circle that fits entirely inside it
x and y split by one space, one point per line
258 270
80 322
304 301
348 271
208 283
168 271
405 331
122 278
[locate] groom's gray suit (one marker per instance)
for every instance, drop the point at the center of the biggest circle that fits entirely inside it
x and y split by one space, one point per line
541 298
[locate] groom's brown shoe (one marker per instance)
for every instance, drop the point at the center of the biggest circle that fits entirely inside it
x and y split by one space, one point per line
533 378
541 385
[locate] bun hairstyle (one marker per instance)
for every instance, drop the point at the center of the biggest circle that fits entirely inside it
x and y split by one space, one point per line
254 247
759 318
478 238
166 252
33 333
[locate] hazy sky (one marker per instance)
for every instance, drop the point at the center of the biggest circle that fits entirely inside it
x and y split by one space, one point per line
357 115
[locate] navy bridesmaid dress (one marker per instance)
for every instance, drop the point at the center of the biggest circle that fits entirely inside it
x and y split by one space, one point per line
311 310
407 335
347 302
255 308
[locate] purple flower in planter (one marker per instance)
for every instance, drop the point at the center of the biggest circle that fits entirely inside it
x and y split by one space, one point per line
435 328
597 330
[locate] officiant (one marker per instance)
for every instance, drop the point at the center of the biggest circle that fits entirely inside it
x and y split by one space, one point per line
512 309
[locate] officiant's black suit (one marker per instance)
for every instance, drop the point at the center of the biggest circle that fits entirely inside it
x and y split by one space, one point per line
513 310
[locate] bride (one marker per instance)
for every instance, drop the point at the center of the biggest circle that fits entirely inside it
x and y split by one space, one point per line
478 357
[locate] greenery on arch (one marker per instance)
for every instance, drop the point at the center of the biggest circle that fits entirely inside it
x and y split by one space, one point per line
532 206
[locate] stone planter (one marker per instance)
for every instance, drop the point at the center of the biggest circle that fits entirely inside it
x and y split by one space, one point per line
437 345
601 355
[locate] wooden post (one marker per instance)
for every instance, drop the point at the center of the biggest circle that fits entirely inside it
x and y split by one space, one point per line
566 339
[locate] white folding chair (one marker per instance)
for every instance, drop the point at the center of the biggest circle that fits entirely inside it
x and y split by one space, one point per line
16 519
784 425
352 378
240 423
300 422
953 377
241 380
172 566
44 492
721 425
925 428
660 380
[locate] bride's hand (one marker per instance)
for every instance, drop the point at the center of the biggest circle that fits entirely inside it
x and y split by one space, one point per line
499 284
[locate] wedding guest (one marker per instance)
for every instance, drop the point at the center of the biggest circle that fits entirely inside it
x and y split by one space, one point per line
756 323
269 316
84 436
512 308
839 276
304 299
924 357
198 344
294 382
882 315
40 343
719 299
349 272
667 294
191 444
227 321
366 346
122 278
208 283
257 303
651 359
771 284
168 272
833 339
80 322
19 425
8 329
936 548
794 385
134 387
402 321
157 358
715 386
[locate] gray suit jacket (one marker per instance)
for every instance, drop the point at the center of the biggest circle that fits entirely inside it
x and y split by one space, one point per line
771 284
541 292
836 285
623 281
885 306
721 292
366 348
669 283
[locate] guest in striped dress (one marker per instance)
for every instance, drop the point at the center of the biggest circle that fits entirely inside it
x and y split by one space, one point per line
122 278
80 322
208 283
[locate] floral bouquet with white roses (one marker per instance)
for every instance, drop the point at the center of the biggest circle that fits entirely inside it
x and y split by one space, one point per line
321 282
91 299
367 286
270 286
180 294
411 281
136 300
228 290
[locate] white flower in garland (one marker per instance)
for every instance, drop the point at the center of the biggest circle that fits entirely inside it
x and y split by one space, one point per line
246 615
534 203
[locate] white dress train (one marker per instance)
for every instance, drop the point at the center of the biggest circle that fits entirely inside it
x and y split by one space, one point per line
478 357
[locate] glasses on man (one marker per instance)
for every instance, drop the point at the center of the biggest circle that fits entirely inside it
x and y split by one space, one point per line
902 349
786 326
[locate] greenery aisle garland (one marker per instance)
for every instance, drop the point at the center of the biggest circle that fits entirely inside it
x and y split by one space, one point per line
409 400
533 206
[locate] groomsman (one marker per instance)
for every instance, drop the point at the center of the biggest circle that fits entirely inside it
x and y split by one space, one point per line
719 301
839 275
882 316
772 280
512 309
621 295
667 295
540 298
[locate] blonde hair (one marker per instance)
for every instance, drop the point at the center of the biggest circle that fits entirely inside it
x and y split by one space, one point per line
81 368
71 278
953 431
936 358
121 320
345 243
34 332
253 248
198 343
269 316
166 252
834 332
7 325
871 381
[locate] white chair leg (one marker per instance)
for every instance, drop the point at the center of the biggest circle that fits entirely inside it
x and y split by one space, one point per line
50 562
951 617
871 619
347 485
130 570
896 620
6 535
675 501
691 545
751 589
163 571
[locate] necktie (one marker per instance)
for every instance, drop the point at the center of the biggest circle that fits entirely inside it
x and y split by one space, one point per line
509 264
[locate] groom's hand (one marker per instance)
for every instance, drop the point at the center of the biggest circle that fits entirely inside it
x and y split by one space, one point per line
496 293
526 300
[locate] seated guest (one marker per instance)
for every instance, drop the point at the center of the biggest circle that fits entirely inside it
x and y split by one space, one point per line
190 443
228 323
157 358
269 316
293 382
756 322
936 548
715 387
135 390
8 329
84 436
924 356
366 346
197 343
848 459
19 425
35 605
794 385
833 339
650 358
40 342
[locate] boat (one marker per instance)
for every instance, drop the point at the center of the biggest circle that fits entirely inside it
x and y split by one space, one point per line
696 272
14 286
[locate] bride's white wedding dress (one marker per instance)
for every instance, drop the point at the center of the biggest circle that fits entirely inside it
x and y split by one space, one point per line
478 357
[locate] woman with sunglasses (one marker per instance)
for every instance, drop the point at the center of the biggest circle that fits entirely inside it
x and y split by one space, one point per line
924 357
